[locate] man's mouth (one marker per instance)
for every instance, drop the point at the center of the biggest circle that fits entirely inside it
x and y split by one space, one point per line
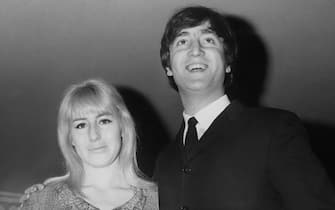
196 67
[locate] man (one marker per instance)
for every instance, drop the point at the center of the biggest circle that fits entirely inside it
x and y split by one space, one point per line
229 156
243 158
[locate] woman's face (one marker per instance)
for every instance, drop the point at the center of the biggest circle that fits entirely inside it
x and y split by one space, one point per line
96 137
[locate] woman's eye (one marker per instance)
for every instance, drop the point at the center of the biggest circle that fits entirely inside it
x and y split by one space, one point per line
80 126
105 121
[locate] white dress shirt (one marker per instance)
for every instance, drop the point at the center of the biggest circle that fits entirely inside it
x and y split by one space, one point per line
206 115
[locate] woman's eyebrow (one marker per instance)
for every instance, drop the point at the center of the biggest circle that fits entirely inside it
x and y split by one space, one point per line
79 119
105 114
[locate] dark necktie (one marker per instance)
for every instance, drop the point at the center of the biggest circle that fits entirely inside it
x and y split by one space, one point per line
191 138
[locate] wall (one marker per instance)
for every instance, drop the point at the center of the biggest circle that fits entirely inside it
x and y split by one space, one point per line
47 45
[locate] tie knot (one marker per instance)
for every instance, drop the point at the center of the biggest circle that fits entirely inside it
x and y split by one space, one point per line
192 122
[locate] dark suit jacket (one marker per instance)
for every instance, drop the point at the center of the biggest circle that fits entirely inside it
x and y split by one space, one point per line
248 159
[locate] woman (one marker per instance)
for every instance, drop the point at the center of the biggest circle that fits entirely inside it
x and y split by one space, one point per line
97 138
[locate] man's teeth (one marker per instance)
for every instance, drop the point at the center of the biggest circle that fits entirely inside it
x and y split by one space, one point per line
195 67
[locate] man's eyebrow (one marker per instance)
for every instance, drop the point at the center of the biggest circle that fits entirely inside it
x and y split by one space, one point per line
207 31
182 33
204 31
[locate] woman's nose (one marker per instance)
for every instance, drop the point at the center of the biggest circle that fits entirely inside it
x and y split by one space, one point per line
94 133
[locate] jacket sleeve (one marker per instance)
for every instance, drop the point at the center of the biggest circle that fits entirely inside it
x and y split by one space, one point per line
295 171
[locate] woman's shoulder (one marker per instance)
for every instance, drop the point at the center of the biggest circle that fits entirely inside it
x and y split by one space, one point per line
152 190
44 198
151 195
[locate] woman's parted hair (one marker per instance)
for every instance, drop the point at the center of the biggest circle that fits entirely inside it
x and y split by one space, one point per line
95 94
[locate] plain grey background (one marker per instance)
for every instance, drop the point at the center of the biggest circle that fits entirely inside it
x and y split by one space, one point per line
45 45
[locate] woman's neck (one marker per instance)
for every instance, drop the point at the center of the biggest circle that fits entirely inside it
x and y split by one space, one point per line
108 177
106 187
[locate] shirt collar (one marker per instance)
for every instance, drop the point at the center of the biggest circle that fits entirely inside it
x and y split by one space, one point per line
207 115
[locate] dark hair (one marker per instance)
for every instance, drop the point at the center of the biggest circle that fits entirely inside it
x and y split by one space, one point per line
194 16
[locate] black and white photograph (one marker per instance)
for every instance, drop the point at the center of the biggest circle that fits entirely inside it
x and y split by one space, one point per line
152 104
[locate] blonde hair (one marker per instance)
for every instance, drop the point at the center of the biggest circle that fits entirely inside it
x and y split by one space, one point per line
97 95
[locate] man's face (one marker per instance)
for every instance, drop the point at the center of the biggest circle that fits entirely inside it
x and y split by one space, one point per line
197 60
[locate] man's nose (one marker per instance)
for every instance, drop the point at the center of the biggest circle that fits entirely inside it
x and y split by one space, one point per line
196 49
94 133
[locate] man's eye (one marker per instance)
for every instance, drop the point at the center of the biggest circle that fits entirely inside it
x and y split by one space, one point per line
105 121
181 42
210 40
80 126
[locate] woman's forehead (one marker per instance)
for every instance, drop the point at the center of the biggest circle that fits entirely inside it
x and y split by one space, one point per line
83 110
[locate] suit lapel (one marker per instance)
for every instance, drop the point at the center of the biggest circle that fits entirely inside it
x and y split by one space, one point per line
179 141
224 123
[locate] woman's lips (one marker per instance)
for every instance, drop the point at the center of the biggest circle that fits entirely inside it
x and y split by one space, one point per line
98 148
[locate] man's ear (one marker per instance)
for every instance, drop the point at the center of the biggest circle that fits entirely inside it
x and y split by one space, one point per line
228 69
169 71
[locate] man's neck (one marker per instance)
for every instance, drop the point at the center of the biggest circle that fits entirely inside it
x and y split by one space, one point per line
196 101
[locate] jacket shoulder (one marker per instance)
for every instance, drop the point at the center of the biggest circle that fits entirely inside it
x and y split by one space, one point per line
268 112
269 115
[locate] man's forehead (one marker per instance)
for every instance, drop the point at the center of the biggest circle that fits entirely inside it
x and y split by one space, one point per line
203 28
